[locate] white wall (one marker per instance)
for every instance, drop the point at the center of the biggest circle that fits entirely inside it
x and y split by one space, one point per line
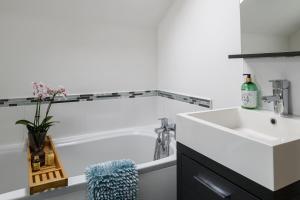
84 57
268 43
194 40
87 46
294 41
170 108
259 42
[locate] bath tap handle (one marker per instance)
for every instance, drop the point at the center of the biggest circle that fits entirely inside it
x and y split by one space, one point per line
164 122
159 130
280 84
172 127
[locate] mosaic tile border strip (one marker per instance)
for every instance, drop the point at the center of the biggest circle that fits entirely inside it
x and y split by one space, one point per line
78 98
207 103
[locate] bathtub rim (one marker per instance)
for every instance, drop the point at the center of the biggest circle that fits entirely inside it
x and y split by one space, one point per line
79 182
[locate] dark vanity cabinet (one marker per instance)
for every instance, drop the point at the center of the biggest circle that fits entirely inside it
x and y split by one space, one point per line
200 178
198 182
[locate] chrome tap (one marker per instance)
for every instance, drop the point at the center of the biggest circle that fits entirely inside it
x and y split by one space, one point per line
162 146
280 96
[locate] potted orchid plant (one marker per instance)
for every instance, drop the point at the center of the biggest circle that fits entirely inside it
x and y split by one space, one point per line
38 128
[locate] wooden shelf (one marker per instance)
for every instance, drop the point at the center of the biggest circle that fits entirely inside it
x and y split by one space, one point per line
266 55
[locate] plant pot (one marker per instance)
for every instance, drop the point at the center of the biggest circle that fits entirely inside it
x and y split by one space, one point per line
36 144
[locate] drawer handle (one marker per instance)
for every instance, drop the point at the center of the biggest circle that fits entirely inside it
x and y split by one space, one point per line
215 189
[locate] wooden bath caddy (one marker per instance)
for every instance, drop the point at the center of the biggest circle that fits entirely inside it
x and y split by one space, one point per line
48 177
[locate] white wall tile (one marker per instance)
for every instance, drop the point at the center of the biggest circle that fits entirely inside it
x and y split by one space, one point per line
170 108
81 118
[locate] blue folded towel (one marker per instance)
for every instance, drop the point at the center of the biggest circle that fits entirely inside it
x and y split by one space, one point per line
113 180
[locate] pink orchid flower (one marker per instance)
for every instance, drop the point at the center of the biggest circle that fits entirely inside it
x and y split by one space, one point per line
42 91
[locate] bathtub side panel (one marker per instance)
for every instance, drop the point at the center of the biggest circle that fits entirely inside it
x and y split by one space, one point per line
158 185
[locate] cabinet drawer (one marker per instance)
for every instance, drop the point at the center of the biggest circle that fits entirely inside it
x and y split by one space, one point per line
199 183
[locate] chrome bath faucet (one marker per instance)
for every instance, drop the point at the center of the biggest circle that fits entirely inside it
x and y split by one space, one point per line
280 96
162 146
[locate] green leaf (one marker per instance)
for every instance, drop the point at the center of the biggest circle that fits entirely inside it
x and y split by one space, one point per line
24 122
47 119
48 123
45 126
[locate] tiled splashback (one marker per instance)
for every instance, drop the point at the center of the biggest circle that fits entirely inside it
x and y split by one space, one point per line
90 114
207 103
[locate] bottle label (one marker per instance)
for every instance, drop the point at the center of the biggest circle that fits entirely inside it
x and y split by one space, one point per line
249 99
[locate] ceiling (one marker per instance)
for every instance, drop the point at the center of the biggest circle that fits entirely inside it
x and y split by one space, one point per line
135 12
278 17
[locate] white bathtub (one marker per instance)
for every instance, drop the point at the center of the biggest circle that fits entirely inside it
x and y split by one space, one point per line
157 178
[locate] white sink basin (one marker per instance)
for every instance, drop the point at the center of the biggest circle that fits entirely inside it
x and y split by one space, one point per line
260 145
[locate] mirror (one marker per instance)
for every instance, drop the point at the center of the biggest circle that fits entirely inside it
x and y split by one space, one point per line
270 26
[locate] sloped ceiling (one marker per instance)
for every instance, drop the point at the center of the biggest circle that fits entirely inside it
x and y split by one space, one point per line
134 12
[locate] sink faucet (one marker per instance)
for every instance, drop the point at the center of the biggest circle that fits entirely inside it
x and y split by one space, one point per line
280 96
162 146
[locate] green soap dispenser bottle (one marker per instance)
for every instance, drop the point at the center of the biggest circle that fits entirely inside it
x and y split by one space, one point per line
249 93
